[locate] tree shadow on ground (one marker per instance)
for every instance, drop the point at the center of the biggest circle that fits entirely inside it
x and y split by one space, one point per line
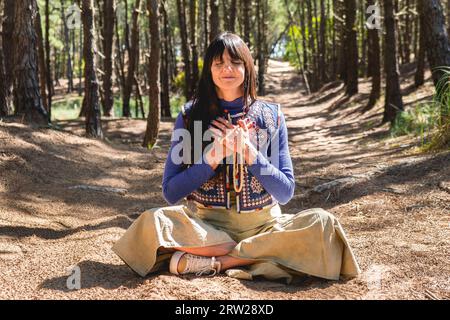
51 234
95 274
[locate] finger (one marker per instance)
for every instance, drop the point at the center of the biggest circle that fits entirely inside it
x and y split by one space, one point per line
226 123
241 123
216 132
219 125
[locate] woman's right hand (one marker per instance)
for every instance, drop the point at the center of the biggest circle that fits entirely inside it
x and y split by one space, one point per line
223 146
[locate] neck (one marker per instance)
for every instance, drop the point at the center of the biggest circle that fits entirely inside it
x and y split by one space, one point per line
230 95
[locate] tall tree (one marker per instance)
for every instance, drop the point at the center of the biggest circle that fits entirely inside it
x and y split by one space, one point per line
8 49
181 8
246 12
91 90
419 77
261 16
374 66
166 65
393 100
69 69
109 11
322 43
41 59
27 96
232 17
134 46
351 48
437 43
4 110
214 19
48 72
153 119
193 33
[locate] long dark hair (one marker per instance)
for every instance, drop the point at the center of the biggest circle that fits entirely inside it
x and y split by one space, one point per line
205 106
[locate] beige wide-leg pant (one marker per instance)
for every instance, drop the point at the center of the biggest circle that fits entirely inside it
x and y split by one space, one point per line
310 242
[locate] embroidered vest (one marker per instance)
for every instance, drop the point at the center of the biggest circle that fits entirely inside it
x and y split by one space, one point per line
216 192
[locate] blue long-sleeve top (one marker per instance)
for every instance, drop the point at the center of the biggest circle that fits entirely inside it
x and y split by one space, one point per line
179 181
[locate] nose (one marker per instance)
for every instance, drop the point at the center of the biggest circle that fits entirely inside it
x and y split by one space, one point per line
228 66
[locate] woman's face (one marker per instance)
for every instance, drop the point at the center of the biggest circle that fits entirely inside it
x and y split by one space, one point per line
228 75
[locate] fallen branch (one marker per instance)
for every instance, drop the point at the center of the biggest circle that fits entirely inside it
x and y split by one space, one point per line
341 183
431 295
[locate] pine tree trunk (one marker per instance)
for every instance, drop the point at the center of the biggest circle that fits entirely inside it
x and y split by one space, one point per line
165 65
8 50
48 72
27 96
261 45
41 57
91 90
232 21
437 43
351 46
246 12
193 33
184 48
393 102
134 45
374 66
120 58
438 47
303 32
205 25
109 11
153 119
4 110
323 44
69 72
407 34
213 19
312 48
419 77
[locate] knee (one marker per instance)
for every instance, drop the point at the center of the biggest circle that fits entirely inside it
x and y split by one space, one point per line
325 216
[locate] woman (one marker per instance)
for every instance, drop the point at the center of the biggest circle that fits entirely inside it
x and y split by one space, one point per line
232 188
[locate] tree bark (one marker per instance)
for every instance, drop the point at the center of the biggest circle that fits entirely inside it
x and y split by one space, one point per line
322 43
193 33
374 67
214 19
8 50
27 94
393 102
48 72
165 65
437 43
246 11
4 110
69 69
351 46
153 119
41 58
134 45
184 48
109 11
91 93
419 77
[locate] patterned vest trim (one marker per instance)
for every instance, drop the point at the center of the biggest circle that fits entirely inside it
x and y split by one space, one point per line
215 193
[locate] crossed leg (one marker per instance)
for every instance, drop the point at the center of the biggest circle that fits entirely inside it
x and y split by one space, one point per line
219 251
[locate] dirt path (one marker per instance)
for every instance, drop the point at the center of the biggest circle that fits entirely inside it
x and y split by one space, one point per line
393 204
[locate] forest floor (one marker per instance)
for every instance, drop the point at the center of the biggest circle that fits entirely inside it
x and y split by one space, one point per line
393 202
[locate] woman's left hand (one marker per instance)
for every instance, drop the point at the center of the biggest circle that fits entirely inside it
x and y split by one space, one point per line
247 148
